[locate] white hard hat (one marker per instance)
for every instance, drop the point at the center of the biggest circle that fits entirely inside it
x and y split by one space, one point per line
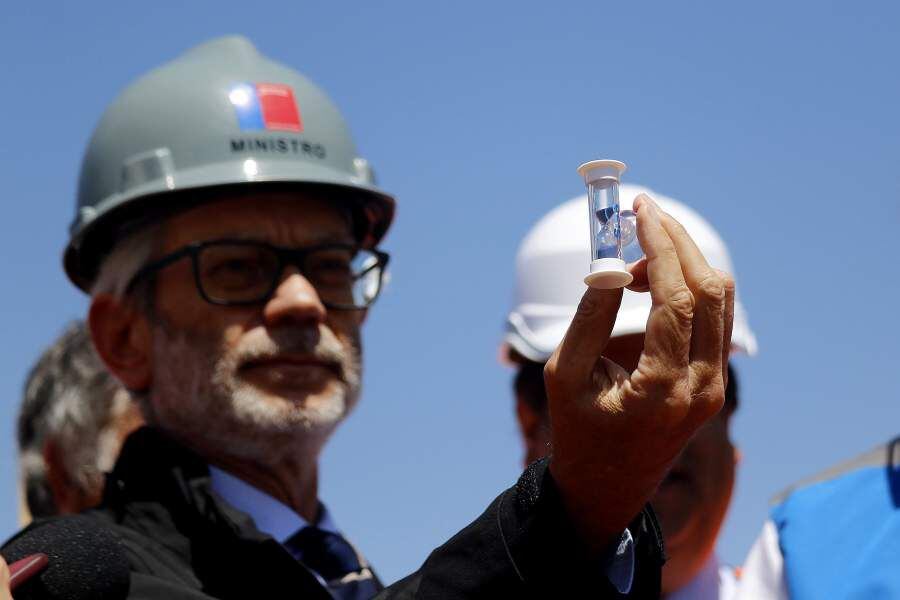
553 259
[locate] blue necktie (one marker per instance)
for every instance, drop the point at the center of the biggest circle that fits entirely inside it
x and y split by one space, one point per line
334 559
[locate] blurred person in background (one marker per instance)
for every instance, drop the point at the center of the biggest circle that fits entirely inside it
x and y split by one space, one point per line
835 535
692 500
72 422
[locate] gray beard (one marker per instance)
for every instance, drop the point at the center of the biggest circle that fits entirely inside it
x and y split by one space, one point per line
198 397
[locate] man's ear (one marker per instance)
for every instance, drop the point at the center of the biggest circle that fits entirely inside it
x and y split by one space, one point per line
535 431
122 337
529 420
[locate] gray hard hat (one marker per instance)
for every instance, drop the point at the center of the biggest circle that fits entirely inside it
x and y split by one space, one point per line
222 114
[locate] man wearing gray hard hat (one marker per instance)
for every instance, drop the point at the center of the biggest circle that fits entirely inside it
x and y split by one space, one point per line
227 234
692 500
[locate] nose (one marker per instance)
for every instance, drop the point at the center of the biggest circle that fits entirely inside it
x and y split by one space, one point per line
295 300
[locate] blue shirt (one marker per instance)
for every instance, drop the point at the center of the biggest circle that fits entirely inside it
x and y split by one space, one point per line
269 515
278 520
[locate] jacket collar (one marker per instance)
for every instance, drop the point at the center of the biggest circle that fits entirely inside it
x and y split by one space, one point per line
154 468
162 490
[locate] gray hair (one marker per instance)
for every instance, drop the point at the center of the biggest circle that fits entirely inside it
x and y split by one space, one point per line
126 258
71 399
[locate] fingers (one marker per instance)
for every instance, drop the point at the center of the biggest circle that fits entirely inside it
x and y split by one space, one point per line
729 322
638 272
5 593
667 341
589 331
707 287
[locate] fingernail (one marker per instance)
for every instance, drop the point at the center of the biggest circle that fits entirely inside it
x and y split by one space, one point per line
639 201
647 201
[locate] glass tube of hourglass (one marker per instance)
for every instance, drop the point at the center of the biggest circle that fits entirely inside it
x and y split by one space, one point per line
607 268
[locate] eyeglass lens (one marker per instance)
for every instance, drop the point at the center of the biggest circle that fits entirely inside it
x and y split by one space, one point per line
244 273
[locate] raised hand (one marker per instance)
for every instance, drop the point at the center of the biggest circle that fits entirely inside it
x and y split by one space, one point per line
615 434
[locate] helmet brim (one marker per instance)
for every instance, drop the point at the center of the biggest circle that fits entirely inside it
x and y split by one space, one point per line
535 337
122 214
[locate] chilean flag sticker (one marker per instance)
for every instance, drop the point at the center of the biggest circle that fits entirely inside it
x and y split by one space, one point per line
268 106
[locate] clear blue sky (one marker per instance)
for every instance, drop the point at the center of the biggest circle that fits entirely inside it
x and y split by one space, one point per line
778 121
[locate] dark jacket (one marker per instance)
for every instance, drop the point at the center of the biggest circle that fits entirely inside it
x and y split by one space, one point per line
183 541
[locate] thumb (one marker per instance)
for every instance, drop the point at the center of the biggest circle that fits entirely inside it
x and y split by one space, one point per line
589 331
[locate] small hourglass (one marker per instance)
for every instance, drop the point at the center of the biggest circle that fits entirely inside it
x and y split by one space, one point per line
607 265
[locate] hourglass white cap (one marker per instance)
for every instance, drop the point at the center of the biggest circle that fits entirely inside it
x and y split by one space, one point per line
595 170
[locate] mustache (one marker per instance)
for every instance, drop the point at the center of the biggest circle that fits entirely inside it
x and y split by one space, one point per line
319 344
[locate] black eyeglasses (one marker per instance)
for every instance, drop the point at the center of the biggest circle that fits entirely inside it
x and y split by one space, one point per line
245 272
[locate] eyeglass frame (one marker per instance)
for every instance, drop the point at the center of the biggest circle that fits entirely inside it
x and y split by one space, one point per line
286 256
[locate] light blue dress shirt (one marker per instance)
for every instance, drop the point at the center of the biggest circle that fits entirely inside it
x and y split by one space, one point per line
269 515
281 522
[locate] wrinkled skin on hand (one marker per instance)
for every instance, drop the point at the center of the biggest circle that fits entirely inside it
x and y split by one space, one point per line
614 435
